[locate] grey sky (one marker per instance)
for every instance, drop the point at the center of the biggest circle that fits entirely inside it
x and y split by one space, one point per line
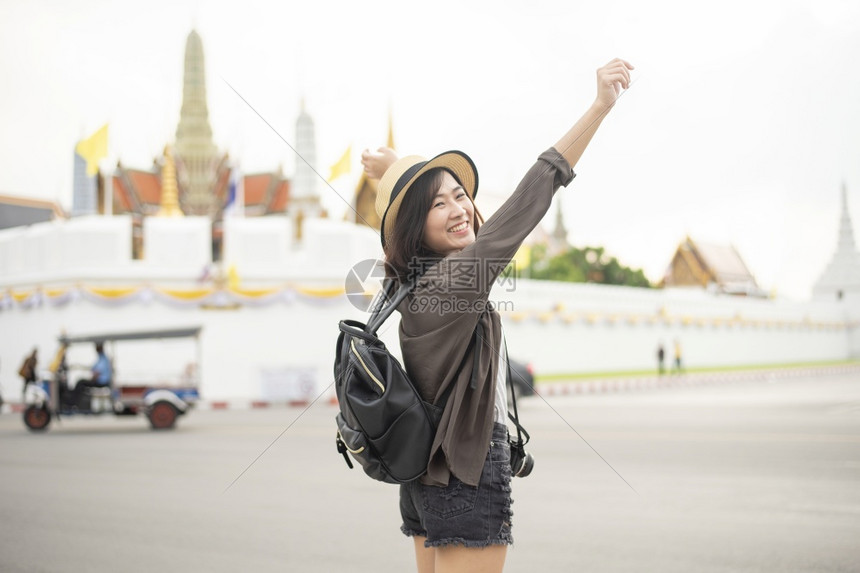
741 125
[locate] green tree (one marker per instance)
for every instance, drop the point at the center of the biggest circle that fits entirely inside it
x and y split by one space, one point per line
589 264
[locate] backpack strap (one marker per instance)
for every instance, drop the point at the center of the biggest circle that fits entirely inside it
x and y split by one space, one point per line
387 304
381 311
514 417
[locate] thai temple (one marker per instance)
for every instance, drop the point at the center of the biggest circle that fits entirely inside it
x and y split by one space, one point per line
200 175
715 267
841 278
254 261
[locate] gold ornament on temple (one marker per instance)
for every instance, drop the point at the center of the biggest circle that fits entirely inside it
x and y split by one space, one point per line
169 188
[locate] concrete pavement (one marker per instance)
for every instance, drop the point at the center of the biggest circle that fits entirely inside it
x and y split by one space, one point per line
762 475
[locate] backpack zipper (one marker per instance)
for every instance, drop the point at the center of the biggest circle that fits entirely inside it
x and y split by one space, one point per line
342 441
363 365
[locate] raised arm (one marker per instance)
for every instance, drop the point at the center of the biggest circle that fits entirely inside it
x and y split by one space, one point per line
611 80
376 162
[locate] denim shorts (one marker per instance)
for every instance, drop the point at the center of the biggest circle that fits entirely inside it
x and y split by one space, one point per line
460 513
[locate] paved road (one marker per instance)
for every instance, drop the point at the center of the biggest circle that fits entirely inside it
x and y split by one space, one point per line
735 478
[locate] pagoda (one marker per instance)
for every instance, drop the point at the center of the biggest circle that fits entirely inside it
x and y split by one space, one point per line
199 174
841 277
198 160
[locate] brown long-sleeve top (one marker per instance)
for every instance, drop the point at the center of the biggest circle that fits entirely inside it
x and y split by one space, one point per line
440 315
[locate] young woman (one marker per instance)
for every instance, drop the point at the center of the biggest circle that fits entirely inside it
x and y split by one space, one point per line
459 512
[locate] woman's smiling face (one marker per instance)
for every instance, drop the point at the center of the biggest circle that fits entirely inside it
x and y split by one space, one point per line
449 225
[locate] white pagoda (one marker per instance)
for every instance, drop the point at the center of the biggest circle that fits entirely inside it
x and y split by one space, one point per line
841 278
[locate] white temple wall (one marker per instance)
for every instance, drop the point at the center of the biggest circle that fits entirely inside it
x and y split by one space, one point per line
255 244
247 350
41 252
334 247
238 345
854 343
180 242
13 251
564 328
559 348
78 275
263 249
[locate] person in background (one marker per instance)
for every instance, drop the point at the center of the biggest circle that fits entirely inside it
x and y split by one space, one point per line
28 370
661 357
102 377
59 370
677 366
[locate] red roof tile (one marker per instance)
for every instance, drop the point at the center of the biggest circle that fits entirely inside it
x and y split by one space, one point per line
120 196
256 187
147 185
280 198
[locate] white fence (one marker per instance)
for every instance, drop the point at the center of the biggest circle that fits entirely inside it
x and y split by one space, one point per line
278 319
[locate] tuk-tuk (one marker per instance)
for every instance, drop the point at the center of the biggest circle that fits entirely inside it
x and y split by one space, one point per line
161 402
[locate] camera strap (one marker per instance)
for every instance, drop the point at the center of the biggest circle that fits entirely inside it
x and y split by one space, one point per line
514 417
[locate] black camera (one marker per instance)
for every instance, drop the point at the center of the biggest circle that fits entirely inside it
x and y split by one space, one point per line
522 462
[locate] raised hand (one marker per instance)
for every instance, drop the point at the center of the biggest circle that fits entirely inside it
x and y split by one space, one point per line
377 162
612 79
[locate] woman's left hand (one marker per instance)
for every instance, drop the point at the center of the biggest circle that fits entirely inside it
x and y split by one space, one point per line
612 79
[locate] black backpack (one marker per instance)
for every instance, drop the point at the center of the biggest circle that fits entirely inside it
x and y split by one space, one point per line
383 422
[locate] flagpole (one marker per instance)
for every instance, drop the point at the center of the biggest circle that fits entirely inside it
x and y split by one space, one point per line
109 193
240 192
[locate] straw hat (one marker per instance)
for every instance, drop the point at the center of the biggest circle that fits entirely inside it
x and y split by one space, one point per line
398 179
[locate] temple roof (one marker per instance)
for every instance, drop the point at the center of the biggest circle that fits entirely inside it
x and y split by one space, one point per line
364 199
708 265
724 263
147 186
138 191
364 203
20 211
256 187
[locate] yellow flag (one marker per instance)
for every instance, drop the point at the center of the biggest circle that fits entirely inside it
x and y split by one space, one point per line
232 278
94 149
523 258
342 166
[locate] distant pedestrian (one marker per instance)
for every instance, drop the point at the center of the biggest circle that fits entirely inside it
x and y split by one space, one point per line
661 358
677 367
28 370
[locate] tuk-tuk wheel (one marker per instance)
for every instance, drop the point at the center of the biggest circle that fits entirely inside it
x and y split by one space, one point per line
162 415
37 418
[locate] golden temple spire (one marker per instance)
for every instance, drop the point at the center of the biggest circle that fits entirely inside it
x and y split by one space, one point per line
169 189
390 142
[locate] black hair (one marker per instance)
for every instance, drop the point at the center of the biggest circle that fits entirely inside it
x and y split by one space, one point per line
407 251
